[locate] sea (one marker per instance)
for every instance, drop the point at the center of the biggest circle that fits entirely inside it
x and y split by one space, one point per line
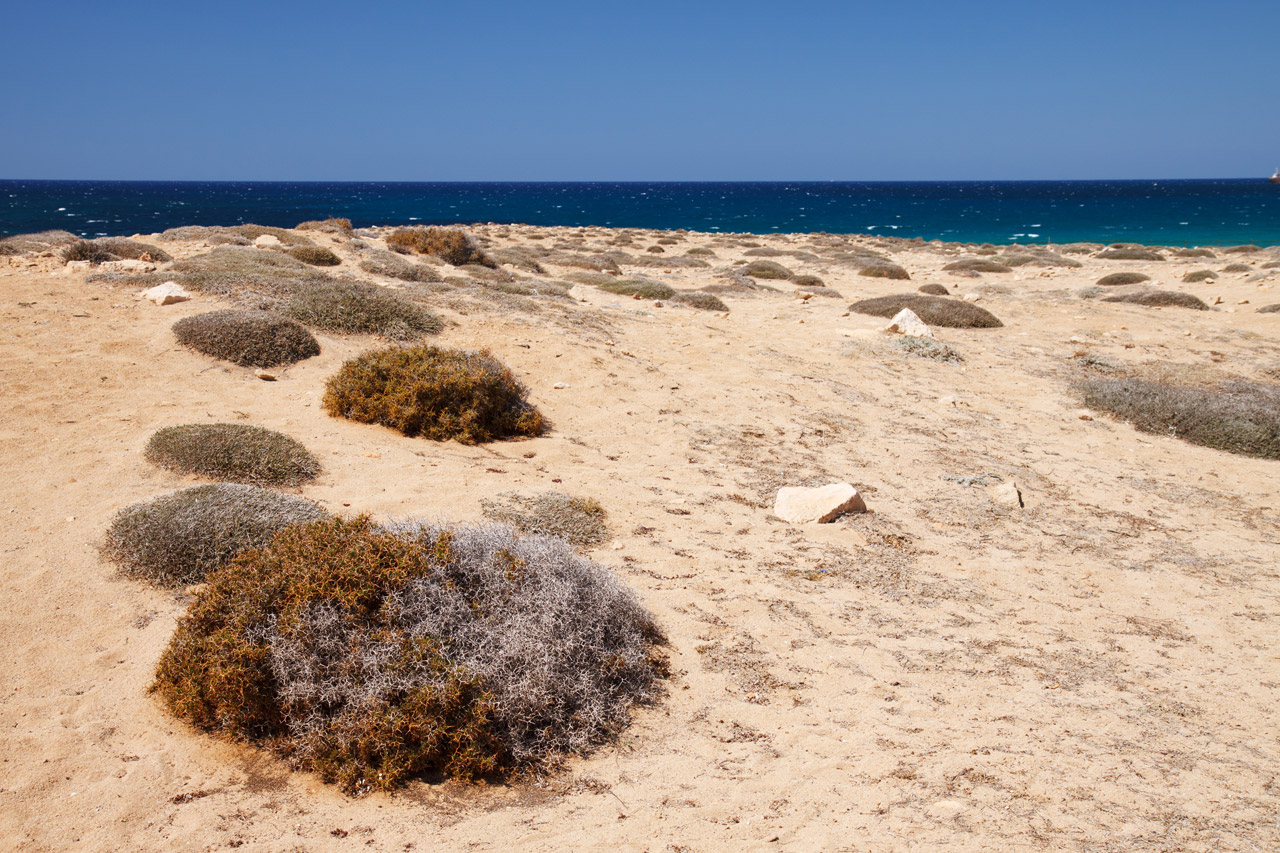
1173 212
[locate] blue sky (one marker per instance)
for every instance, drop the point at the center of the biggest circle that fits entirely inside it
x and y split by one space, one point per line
654 91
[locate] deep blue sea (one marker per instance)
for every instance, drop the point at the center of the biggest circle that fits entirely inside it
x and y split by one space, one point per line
1199 212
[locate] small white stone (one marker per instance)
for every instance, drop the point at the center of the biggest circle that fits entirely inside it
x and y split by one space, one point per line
560 386
264 375
267 241
824 504
905 322
1006 493
167 293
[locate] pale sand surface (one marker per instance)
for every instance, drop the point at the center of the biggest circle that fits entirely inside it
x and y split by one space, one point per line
1096 671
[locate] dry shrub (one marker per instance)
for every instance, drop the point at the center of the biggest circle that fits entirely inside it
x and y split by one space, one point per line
1238 417
237 453
87 250
768 270
977 265
436 393
212 235
1128 254
884 269
41 241
638 288
701 300
316 256
1270 309
356 308
1120 278
372 655
1193 253
595 263
807 281
106 249
665 262
1199 275
1037 258
927 348
933 310
332 225
247 338
252 232
245 274
180 537
701 252
933 289
1237 268
1240 250
390 265
578 521
1161 299
656 250
518 258
451 245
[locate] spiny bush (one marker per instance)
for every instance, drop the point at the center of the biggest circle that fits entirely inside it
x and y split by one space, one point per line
1238 417
578 521
1270 309
451 245
1237 268
1037 258
1161 299
1129 255
41 241
436 393
933 310
519 259
390 265
212 235
927 348
332 225
87 250
252 232
124 248
701 300
767 270
247 338
808 282
637 288
356 308
884 269
1199 275
1121 278
978 265
701 252
316 256
1193 253
373 655
180 537
656 250
933 290
1241 250
236 453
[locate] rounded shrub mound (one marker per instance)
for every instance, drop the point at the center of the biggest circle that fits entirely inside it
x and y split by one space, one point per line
238 453
1129 254
1161 299
884 269
767 269
1237 268
316 256
638 288
1270 309
373 655
451 245
933 289
1194 253
1199 275
578 521
435 393
1119 278
978 265
933 310
701 300
180 537
356 308
247 338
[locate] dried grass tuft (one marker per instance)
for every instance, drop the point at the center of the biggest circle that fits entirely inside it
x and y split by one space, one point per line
247 338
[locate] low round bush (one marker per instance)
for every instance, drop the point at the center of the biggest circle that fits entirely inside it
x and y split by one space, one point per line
1237 268
1270 309
316 256
238 453
641 289
767 269
806 281
1194 253
1241 250
933 289
1129 255
247 338
933 310
1199 275
86 250
1161 299
884 269
451 245
700 300
578 521
373 655
978 265
356 308
332 225
435 393
180 537
1120 278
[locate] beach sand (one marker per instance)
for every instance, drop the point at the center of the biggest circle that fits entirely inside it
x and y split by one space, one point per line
1094 670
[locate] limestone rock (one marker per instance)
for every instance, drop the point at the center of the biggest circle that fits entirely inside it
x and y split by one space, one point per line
167 293
267 241
265 375
905 322
1007 493
128 265
822 504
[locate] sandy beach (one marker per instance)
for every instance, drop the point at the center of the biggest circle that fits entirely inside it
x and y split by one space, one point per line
1093 670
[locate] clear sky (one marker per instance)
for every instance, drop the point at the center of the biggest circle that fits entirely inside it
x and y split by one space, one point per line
426 91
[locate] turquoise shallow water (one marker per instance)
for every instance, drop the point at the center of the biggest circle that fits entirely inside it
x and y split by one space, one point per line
1200 212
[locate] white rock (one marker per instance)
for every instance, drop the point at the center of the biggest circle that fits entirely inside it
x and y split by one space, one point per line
971 297
265 375
267 241
823 504
560 386
167 293
905 322
78 266
579 293
128 265
1006 493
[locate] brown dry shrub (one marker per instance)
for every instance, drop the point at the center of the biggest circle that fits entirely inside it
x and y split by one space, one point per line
373 655
933 290
933 310
1199 275
87 250
180 537
978 265
1193 253
356 308
316 256
1240 250
1120 278
41 241
701 300
1161 299
1129 255
767 270
1237 268
638 288
807 281
578 521
236 453
436 393
884 269
247 338
390 265
451 245
332 225
252 232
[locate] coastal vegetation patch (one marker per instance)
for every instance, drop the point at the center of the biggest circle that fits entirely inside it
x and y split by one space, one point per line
579 521
933 289
978 265
638 288
105 249
372 655
1161 299
1116 279
236 453
1199 275
249 338
357 308
436 393
767 270
40 241
451 245
933 310
387 264
701 300
1129 254
316 256
331 225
